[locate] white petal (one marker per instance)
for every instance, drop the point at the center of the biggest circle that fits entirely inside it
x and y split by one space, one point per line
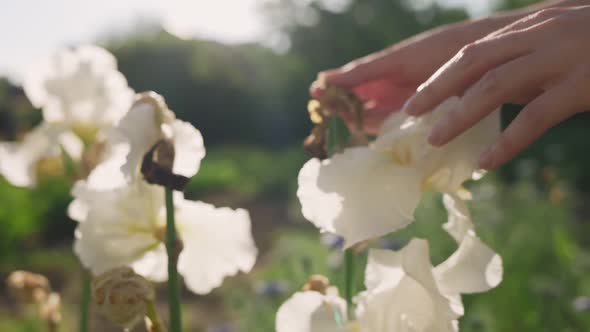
473 268
188 147
311 312
18 160
72 145
460 156
120 228
459 219
141 131
105 177
402 294
217 243
392 123
80 85
406 307
446 168
358 194
78 208
386 267
153 265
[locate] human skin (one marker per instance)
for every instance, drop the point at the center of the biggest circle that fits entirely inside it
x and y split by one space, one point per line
541 60
386 79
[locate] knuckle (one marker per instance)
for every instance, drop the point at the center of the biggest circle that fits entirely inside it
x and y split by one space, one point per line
546 13
470 54
426 94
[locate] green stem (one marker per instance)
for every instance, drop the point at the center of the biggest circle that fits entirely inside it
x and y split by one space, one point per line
172 250
349 279
52 327
152 314
85 301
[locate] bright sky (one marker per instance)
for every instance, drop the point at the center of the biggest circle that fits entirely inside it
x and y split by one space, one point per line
32 29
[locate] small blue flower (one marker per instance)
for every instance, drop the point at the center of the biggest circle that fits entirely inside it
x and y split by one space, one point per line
271 288
332 241
226 327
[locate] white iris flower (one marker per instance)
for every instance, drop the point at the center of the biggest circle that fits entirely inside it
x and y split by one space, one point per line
367 192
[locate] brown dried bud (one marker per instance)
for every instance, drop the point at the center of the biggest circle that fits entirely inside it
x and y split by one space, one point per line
317 283
157 166
334 101
50 311
121 295
28 287
315 143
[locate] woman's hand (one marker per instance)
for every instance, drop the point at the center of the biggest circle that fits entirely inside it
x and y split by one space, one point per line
542 60
385 80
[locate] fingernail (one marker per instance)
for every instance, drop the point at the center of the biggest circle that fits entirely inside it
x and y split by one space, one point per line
409 106
486 160
438 134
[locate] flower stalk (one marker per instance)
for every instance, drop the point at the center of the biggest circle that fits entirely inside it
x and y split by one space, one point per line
338 138
155 321
173 279
349 279
334 135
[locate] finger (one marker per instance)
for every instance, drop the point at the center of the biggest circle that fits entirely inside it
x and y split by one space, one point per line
526 97
494 89
357 72
466 67
547 110
531 20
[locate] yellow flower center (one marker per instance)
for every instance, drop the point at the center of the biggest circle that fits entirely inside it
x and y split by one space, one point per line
402 155
86 132
160 233
49 167
314 108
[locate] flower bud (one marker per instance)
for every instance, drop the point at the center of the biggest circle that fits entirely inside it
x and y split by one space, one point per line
121 295
157 164
50 310
315 143
28 287
317 283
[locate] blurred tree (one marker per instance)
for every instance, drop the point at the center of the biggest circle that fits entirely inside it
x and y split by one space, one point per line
16 112
250 94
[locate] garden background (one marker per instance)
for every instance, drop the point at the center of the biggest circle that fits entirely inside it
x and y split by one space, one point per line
249 102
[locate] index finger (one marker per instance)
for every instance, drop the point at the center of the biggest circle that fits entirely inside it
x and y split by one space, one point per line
465 68
355 73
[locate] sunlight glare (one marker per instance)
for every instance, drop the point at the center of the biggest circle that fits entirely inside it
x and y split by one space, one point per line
230 21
